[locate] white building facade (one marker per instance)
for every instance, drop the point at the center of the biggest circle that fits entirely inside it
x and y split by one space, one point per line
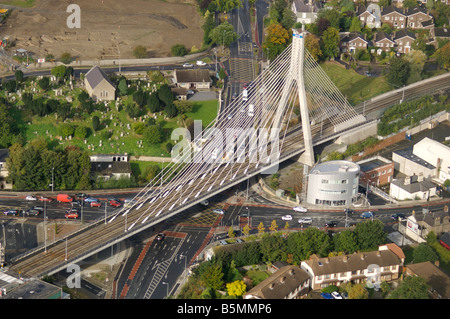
333 183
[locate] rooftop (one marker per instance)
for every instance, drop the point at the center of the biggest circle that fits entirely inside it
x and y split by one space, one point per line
332 167
408 153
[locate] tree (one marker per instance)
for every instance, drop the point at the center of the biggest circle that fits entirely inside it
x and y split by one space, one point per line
223 34
178 50
81 132
261 228
140 52
416 61
6 133
152 135
277 39
356 25
228 5
183 106
95 123
150 172
170 110
443 56
358 291
330 41
66 58
398 73
58 71
44 83
424 253
236 288
123 87
65 129
312 44
273 226
153 103
165 94
345 241
412 287
212 276
19 76
370 234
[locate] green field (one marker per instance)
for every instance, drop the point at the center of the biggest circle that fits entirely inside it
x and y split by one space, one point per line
354 86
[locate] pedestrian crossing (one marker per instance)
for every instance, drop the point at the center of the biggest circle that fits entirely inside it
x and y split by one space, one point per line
242 70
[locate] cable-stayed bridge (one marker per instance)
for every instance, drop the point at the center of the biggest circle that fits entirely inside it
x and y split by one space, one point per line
284 112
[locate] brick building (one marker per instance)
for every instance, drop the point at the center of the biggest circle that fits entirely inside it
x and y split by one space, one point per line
376 171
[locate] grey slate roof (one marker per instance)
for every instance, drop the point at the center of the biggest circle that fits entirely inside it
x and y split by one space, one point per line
95 76
414 186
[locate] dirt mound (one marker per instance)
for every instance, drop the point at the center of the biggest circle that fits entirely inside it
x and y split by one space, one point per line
107 28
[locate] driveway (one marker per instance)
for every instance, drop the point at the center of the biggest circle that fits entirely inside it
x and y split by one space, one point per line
203 96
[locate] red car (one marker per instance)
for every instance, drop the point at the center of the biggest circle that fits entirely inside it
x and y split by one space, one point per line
115 203
45 199
72 213
96 204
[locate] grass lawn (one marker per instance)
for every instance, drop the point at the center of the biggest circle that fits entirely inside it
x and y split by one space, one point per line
206 111
354 86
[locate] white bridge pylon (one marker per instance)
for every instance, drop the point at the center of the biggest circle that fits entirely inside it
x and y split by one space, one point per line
248 134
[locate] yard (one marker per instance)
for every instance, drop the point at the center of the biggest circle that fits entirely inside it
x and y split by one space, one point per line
354 86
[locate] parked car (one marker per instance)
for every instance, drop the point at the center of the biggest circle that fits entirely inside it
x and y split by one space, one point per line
29 197
326 295
160 236
336 295
219 211
300 209
305 220
11 212
76 203
331 223
398 216
45 199
81 195
65 198
187 65
201 63
96 204
286 217
90 199
366 215
115 203
190 92
348 211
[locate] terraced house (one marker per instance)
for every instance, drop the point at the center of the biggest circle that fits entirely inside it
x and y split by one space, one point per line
375 266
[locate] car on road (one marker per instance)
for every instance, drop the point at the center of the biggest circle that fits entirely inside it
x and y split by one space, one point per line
90 199
336 295
300 209
219 211
201 63
286 217
305 220
29 197
115 203
160 236
33 212
81 195
331 224
187 65
348 211
230 116
45 199
96 204
11 212
366 215
71 213
244 213
204 203
234 95
76 203
326 295
398 216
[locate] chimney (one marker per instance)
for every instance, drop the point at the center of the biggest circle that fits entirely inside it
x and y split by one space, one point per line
291 272
407 180
282 279
345 259
272 285
327 260
436 263
420 177
362 256
379 253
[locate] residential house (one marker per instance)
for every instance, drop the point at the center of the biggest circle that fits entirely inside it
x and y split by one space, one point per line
418 226
306 11
352 41
98 86
412 187
404 40
428 158
444 240
383 42
394 16
376 171
438 280
370 16
196 79
288 282
439 33
4 154
374 266
416 16
106 166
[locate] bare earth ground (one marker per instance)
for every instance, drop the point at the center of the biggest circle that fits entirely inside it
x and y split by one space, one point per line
107 27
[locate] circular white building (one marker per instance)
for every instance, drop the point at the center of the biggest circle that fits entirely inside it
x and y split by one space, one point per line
333 183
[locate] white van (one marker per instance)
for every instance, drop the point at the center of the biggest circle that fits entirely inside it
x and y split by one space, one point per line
250 109
244 95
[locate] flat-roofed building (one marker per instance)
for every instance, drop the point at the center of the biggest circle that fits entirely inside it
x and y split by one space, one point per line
376 171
